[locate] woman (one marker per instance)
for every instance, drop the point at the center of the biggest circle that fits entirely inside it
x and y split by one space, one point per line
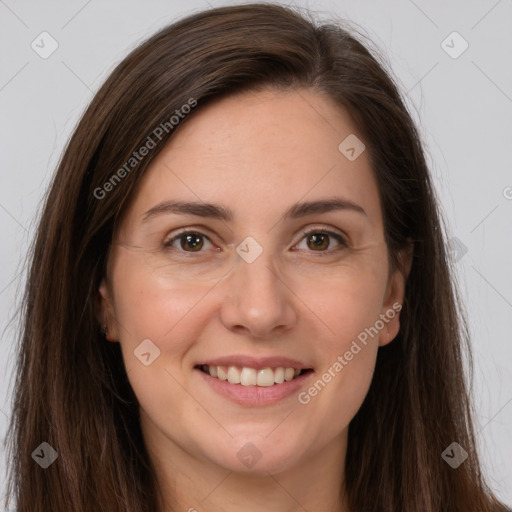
185 347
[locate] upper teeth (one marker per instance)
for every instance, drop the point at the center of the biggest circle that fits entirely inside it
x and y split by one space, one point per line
250 376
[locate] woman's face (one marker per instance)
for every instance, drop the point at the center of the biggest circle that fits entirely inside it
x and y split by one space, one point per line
247 290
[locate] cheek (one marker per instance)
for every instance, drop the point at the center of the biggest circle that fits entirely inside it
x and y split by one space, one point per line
349 303
339 388
350 306
344 376
149 308
149 304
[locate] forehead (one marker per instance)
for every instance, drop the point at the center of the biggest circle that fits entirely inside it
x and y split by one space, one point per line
259 152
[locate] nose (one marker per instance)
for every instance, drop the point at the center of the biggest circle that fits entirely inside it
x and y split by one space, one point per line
260 302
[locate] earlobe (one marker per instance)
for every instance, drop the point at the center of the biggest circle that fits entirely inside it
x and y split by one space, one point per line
102 301
105 312
396 289
102 289
396 295
392 307
390 332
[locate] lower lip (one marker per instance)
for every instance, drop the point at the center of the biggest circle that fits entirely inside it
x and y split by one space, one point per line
255 395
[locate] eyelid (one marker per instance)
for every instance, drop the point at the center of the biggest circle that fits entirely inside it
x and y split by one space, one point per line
325 229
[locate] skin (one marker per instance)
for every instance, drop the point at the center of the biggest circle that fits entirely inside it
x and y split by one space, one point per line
257 154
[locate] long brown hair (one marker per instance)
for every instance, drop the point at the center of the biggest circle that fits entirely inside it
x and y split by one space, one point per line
71 388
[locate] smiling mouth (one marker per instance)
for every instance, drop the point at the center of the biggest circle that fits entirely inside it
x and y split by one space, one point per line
264 377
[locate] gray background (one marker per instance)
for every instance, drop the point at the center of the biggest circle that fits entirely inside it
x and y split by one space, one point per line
463 107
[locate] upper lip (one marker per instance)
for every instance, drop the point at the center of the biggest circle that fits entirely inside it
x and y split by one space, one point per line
255 362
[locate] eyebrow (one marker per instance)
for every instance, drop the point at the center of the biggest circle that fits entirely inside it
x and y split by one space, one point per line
214 211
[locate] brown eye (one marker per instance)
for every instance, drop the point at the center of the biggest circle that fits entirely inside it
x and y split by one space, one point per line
319 240
193 241
189 241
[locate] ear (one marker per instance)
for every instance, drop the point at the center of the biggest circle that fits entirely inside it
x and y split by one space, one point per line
395 294
106 314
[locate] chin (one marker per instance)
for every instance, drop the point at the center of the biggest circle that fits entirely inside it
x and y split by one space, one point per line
255 455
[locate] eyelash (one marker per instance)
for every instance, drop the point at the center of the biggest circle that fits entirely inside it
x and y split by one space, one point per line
168 244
